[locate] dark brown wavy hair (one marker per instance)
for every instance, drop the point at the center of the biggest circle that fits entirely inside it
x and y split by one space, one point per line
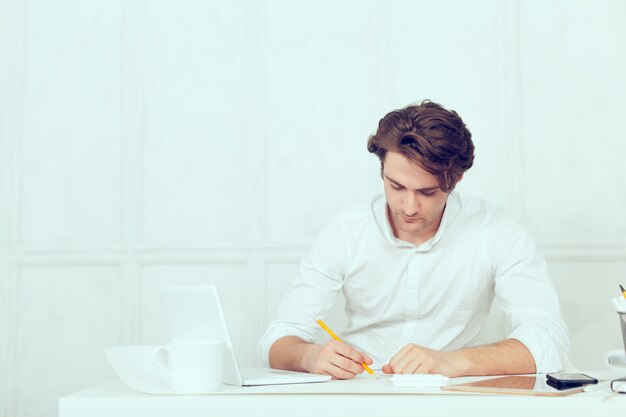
427 133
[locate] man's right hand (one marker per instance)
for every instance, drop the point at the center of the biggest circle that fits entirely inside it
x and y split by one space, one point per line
336 359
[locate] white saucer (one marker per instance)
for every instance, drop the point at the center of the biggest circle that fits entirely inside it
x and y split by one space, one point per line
615 360
133 365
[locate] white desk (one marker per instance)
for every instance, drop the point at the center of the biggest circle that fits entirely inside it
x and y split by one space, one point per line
360 397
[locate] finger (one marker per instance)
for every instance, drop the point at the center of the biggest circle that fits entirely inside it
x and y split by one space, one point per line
387 369
348 351
320 372
346 364
338 373
324 367
408 364
368 360
426 367
398 364
398 357
404 350
415 367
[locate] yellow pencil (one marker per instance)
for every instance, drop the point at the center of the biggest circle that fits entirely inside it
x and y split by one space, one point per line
623 290
334 336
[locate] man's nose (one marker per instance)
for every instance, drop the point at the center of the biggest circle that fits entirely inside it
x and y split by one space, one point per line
411 205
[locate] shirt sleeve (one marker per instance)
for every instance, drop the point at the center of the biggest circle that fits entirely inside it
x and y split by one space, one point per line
313 292
527 296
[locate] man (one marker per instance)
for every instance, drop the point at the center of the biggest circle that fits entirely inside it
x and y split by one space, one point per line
419 269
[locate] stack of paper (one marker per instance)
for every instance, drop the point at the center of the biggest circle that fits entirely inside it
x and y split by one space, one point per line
419 380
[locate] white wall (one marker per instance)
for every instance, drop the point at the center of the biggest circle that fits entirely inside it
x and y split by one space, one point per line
155 142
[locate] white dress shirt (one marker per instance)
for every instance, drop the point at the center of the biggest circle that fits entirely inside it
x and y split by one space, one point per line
436 295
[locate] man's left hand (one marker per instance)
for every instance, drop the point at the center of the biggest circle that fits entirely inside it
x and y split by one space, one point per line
414 359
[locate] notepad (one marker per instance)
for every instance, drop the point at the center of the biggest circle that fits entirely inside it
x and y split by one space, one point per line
419 380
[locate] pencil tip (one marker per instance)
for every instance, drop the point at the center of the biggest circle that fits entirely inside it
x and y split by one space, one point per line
621 287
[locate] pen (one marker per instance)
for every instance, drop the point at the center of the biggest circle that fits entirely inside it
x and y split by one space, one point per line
334 336
623 290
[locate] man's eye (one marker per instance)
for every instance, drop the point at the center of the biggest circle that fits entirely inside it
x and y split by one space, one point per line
395 187
428 193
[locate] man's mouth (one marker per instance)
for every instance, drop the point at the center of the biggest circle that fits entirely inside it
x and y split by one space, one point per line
410 219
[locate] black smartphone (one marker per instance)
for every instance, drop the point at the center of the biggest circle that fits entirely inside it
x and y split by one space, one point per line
561 380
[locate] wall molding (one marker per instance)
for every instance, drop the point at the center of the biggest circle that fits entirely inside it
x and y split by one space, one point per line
5 326
10 341
132 124
15 112
583 252
254 55
6 95
194 261
256 135
15 297
510 118
12 106
17 236
6 123
382 12
552 250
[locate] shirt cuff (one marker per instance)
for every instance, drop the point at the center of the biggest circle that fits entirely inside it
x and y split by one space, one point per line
547 355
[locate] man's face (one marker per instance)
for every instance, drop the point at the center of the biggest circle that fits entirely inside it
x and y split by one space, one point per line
414 198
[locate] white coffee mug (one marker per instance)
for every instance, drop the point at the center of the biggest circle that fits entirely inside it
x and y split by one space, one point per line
615 360
194 367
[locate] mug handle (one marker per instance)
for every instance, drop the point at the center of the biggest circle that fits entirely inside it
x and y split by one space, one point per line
158 361
615 360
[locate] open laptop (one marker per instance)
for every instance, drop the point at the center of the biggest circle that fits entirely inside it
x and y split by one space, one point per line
195 313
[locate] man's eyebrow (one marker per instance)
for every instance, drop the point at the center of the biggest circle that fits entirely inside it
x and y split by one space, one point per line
420 189
394 181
